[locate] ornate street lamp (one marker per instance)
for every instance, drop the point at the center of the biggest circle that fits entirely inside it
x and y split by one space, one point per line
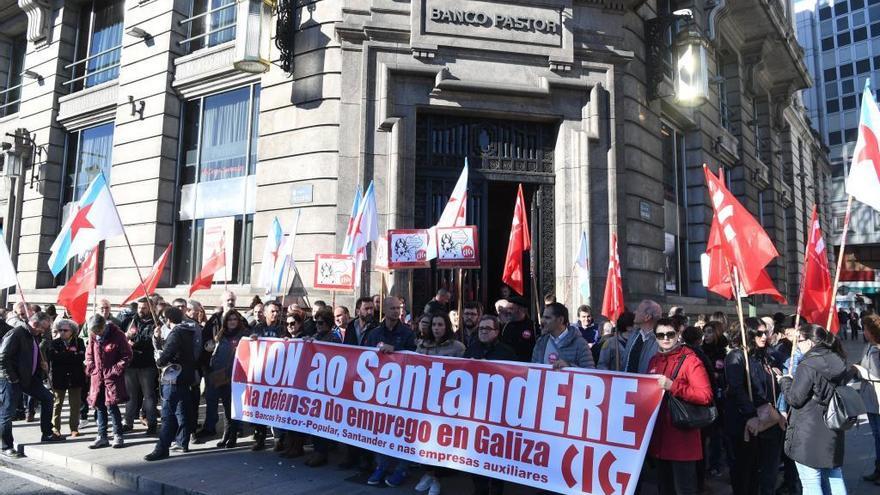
253 36
691 69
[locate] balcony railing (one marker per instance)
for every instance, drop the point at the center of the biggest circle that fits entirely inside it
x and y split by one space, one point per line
91 74
228 25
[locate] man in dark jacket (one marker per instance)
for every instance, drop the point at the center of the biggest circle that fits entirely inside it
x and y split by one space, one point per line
67 371
362 324
439 304
393 334
488 345
20 372
178 373
272 328
519 332
141 375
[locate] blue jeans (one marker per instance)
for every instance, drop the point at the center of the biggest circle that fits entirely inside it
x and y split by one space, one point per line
10 397
385 462
175 415
874 421
102 410
212 402
821 481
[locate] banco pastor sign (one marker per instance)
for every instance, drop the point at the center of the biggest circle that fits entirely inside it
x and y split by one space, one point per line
493 21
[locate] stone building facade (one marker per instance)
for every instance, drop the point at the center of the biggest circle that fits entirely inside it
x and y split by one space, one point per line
572 98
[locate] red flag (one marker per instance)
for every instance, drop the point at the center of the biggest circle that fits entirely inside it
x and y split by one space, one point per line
719 271
816 300
744 243
152 280
215 262
612 302
520 241
75 294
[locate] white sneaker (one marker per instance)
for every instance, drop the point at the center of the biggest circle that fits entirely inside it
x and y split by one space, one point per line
424 483
435 487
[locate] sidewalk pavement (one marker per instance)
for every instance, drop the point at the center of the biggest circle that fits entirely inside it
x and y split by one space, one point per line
208 470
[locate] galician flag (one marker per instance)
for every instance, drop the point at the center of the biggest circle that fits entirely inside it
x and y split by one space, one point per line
582 267
270 252
863 182
454 214
8 276
355 206
93 219
366 229
285 264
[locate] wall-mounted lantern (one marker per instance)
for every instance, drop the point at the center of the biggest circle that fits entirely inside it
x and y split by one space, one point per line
691 69
253 36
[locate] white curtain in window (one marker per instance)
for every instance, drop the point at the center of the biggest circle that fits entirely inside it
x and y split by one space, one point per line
221 19
95 156
106 35
225 135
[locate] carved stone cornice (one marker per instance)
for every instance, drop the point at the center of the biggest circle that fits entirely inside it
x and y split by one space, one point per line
38 19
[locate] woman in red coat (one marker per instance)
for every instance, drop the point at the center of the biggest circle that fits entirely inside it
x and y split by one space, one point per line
107 356
677 450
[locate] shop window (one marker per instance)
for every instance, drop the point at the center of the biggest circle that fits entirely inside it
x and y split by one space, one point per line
99 44
211 22
10 92
217 171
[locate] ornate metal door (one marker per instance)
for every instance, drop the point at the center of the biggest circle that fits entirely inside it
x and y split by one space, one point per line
500 154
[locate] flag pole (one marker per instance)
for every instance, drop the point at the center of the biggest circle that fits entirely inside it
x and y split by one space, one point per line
460 296
382 294
800 303
734 281
840 257
131 251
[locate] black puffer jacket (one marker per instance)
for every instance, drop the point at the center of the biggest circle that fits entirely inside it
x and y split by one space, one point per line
67 363
808 440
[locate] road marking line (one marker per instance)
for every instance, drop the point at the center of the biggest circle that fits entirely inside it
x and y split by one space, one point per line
41 481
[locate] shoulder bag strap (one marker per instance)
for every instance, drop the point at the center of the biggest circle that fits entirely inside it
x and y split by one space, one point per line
678 366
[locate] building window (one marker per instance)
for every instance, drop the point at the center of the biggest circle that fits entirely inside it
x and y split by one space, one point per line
846 70
850 135
89 152
849 102
842 23
825 13
723 105
843 39
674 203
762 211
10 92
856 4
841 8
828 43
830 74
831 90
832 106
863 66
875 29
756 128
860 34
847 87
874 14
99 44
212 22
217 167
835 138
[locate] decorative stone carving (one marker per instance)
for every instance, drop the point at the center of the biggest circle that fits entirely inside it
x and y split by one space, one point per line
38 19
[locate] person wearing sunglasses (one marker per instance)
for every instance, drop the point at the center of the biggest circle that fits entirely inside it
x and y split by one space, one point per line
324 333
67 373
753 425
682 375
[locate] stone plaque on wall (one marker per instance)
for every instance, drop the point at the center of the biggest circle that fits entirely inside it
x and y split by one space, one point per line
538 25
534 27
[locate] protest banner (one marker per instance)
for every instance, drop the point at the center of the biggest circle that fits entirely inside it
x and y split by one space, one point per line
571 431
381 262
457 247
334 272
408 248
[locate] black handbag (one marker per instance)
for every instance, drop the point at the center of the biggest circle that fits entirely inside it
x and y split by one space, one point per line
685 415
844 408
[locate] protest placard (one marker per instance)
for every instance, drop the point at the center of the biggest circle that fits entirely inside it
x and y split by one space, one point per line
408 248
334 272
457 247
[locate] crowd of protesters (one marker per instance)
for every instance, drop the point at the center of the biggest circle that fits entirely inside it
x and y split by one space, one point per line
771 387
